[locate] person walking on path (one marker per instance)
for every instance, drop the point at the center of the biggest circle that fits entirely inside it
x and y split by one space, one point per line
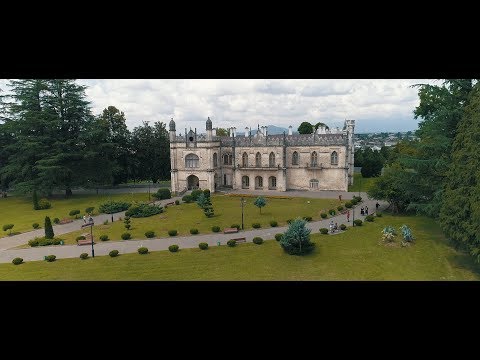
340 197
85 219
362 211
366 210
348 215
377 205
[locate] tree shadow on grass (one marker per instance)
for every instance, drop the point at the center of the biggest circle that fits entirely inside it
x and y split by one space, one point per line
464 261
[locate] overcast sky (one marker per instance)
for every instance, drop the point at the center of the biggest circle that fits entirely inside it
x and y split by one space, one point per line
375 104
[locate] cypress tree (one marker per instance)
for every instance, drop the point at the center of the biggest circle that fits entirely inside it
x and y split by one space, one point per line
35 200
48 228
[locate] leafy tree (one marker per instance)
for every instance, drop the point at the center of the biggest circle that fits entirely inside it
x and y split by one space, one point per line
48 228
460 209
260 202
296 240
372 164
305 128
222 132
358 157
318 124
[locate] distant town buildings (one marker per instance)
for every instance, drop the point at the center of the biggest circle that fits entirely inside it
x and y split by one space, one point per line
375 141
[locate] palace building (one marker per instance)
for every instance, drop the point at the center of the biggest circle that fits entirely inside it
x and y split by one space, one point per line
259 161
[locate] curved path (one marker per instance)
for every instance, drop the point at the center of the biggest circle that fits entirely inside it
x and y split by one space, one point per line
131 246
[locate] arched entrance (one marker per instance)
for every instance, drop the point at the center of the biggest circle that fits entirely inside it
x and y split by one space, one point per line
193 182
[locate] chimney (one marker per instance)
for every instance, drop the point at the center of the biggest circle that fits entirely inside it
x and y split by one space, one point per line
290 130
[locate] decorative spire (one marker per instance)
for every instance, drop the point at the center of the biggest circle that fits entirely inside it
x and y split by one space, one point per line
209 124
172 125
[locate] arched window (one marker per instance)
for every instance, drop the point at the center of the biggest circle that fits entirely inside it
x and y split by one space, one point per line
334 158
229 159
245 159
245 182
314 159
313 184
272 182
191 161
295 158
258 182
258 160
225 159
271 160
215 160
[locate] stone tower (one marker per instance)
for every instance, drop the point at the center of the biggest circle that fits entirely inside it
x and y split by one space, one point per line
350 126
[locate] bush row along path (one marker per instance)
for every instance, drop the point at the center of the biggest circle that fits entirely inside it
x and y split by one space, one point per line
131 246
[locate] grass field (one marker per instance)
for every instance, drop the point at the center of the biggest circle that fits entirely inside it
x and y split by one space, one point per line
227 212
360 183
353 255
19 210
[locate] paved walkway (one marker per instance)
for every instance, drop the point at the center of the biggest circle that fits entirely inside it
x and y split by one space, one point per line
131 246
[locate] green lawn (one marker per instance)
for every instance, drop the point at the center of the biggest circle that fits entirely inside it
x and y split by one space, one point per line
353 255
19 210
360 183
228 211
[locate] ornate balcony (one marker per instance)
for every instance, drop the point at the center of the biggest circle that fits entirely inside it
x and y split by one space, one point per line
254 167
315 166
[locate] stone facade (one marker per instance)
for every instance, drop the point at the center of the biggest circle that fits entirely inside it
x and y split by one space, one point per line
319 161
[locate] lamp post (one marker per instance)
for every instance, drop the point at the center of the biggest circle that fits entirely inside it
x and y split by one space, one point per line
90 223
353 216
148 190
243 203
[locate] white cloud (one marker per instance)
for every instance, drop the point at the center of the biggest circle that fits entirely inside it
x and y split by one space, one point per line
375 104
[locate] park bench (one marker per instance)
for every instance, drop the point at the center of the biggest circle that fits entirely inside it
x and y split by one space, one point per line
84 242
65 221
230 230
170 203
240 239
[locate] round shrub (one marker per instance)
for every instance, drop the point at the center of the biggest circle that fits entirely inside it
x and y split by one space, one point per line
273 223
177 202
289 221
187 199
354 201
343 227
332 212
235 226
105 222
56 241
33 242
358 222
113 253
173 248
126 236
35 225
172 232
81 237
194 231
278 237
307 218
74 213
128 226
358 198
215 228
256 225
44 204
162 193
50 258
89 210
127 218
348 204
104 237
257 240
323 215
369 218
142 250
340 208
231 243
195 194
83 256
324 231
56 220
150 234
17 261
203 246
379 214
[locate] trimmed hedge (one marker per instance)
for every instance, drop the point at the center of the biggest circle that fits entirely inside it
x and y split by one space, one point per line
17 261
150 234
358 222
83 256
340 208
278 237
173 248
231 243
42 241
348 204
111 207
74 213
343 227
323 215
142 250
324 231
203 246
256 225
194 231
172 232
104 237
35 225
273 223
257 240
187 199
113 253
369 218
354 201
50 258
126 236
235 226
216 229
144 210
